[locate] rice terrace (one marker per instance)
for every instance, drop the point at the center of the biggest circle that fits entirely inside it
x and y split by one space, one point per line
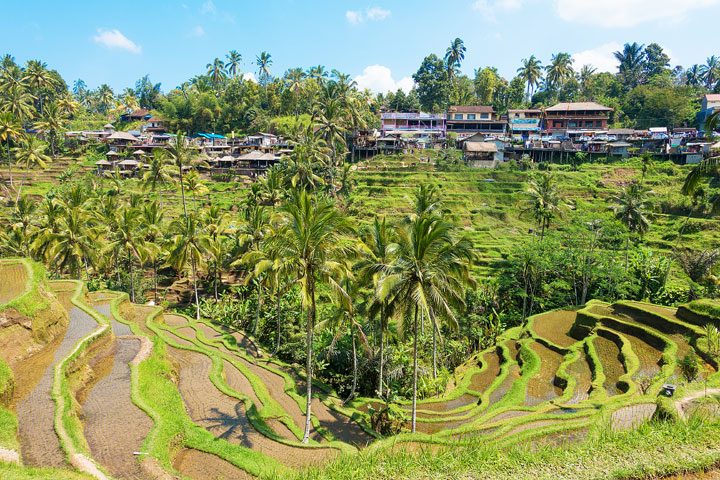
482 259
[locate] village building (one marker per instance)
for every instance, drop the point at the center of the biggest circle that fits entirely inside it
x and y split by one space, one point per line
136 115
576 118
524 122
709 104
155 125
413 124
469 119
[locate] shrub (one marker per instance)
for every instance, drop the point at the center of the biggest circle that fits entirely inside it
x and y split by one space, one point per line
689 367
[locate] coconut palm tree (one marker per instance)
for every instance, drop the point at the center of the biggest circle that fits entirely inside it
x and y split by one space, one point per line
630 209
19 103
234 59
313 232
544 200
153 223
329 118
127 236
531 72
693 75
39 79
30 153
560 70
183 157
216 72
187 244
50 125
75 245
214 220
159 171
105 98
631 58
263 62
427 278
454 55
251 234
710 72
585 75
376 248
10 131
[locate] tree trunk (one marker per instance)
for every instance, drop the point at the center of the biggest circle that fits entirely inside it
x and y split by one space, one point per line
197 297
627 249
382 350
132 280
355 365
415 371
277 319
308 361
215 283
257 308
155 279
434 332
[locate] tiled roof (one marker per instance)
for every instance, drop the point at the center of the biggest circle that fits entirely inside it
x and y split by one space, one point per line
577 106
471 109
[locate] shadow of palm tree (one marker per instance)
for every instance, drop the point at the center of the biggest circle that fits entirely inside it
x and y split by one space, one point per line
235 427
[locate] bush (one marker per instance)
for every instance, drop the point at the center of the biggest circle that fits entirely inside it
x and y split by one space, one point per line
689 366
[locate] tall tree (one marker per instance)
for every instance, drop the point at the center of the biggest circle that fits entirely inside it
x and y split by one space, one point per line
631 209
544 200
531 73
632 63
559 71
313 239
263 62
232 66
454 55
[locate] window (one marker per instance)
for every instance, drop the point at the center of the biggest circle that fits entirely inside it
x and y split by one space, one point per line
458 116
485 115
589 124
471 116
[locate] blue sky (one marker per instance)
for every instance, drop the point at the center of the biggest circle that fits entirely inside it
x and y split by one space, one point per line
381 43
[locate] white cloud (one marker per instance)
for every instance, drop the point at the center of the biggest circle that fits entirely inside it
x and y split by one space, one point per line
208 8
627 13
601 57
353 17
377 13
198 31
379 79
490 8
373 14
115 39
249 76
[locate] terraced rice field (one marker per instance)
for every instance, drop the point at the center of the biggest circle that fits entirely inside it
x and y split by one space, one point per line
14 279
241 413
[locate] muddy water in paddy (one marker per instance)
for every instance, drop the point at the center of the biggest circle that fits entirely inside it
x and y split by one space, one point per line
206 466
38 441
580 370
555 326
612 365
114 426
649 357
540 388
14 276
482 380
225 417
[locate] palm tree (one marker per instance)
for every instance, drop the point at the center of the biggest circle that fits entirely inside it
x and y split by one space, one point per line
39 79
183 157
105 97
19 103
710 72
632 59
75 243
127 236
159 171
454 55
560 70
329 120
216 71
544 200
10 131
187 244
152 221
312 237
585 75
693 75
427 277
50 125
376 248
251 234
31 153
214 220
531 73
234 59
630 209
263 62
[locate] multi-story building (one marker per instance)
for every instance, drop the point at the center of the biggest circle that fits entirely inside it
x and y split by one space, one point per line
710 103
524 122
576 118
420 124
474 119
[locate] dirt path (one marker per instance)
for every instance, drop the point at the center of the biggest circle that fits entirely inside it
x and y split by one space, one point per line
206 466
684 405
14 277
114 426
39 443
225 417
